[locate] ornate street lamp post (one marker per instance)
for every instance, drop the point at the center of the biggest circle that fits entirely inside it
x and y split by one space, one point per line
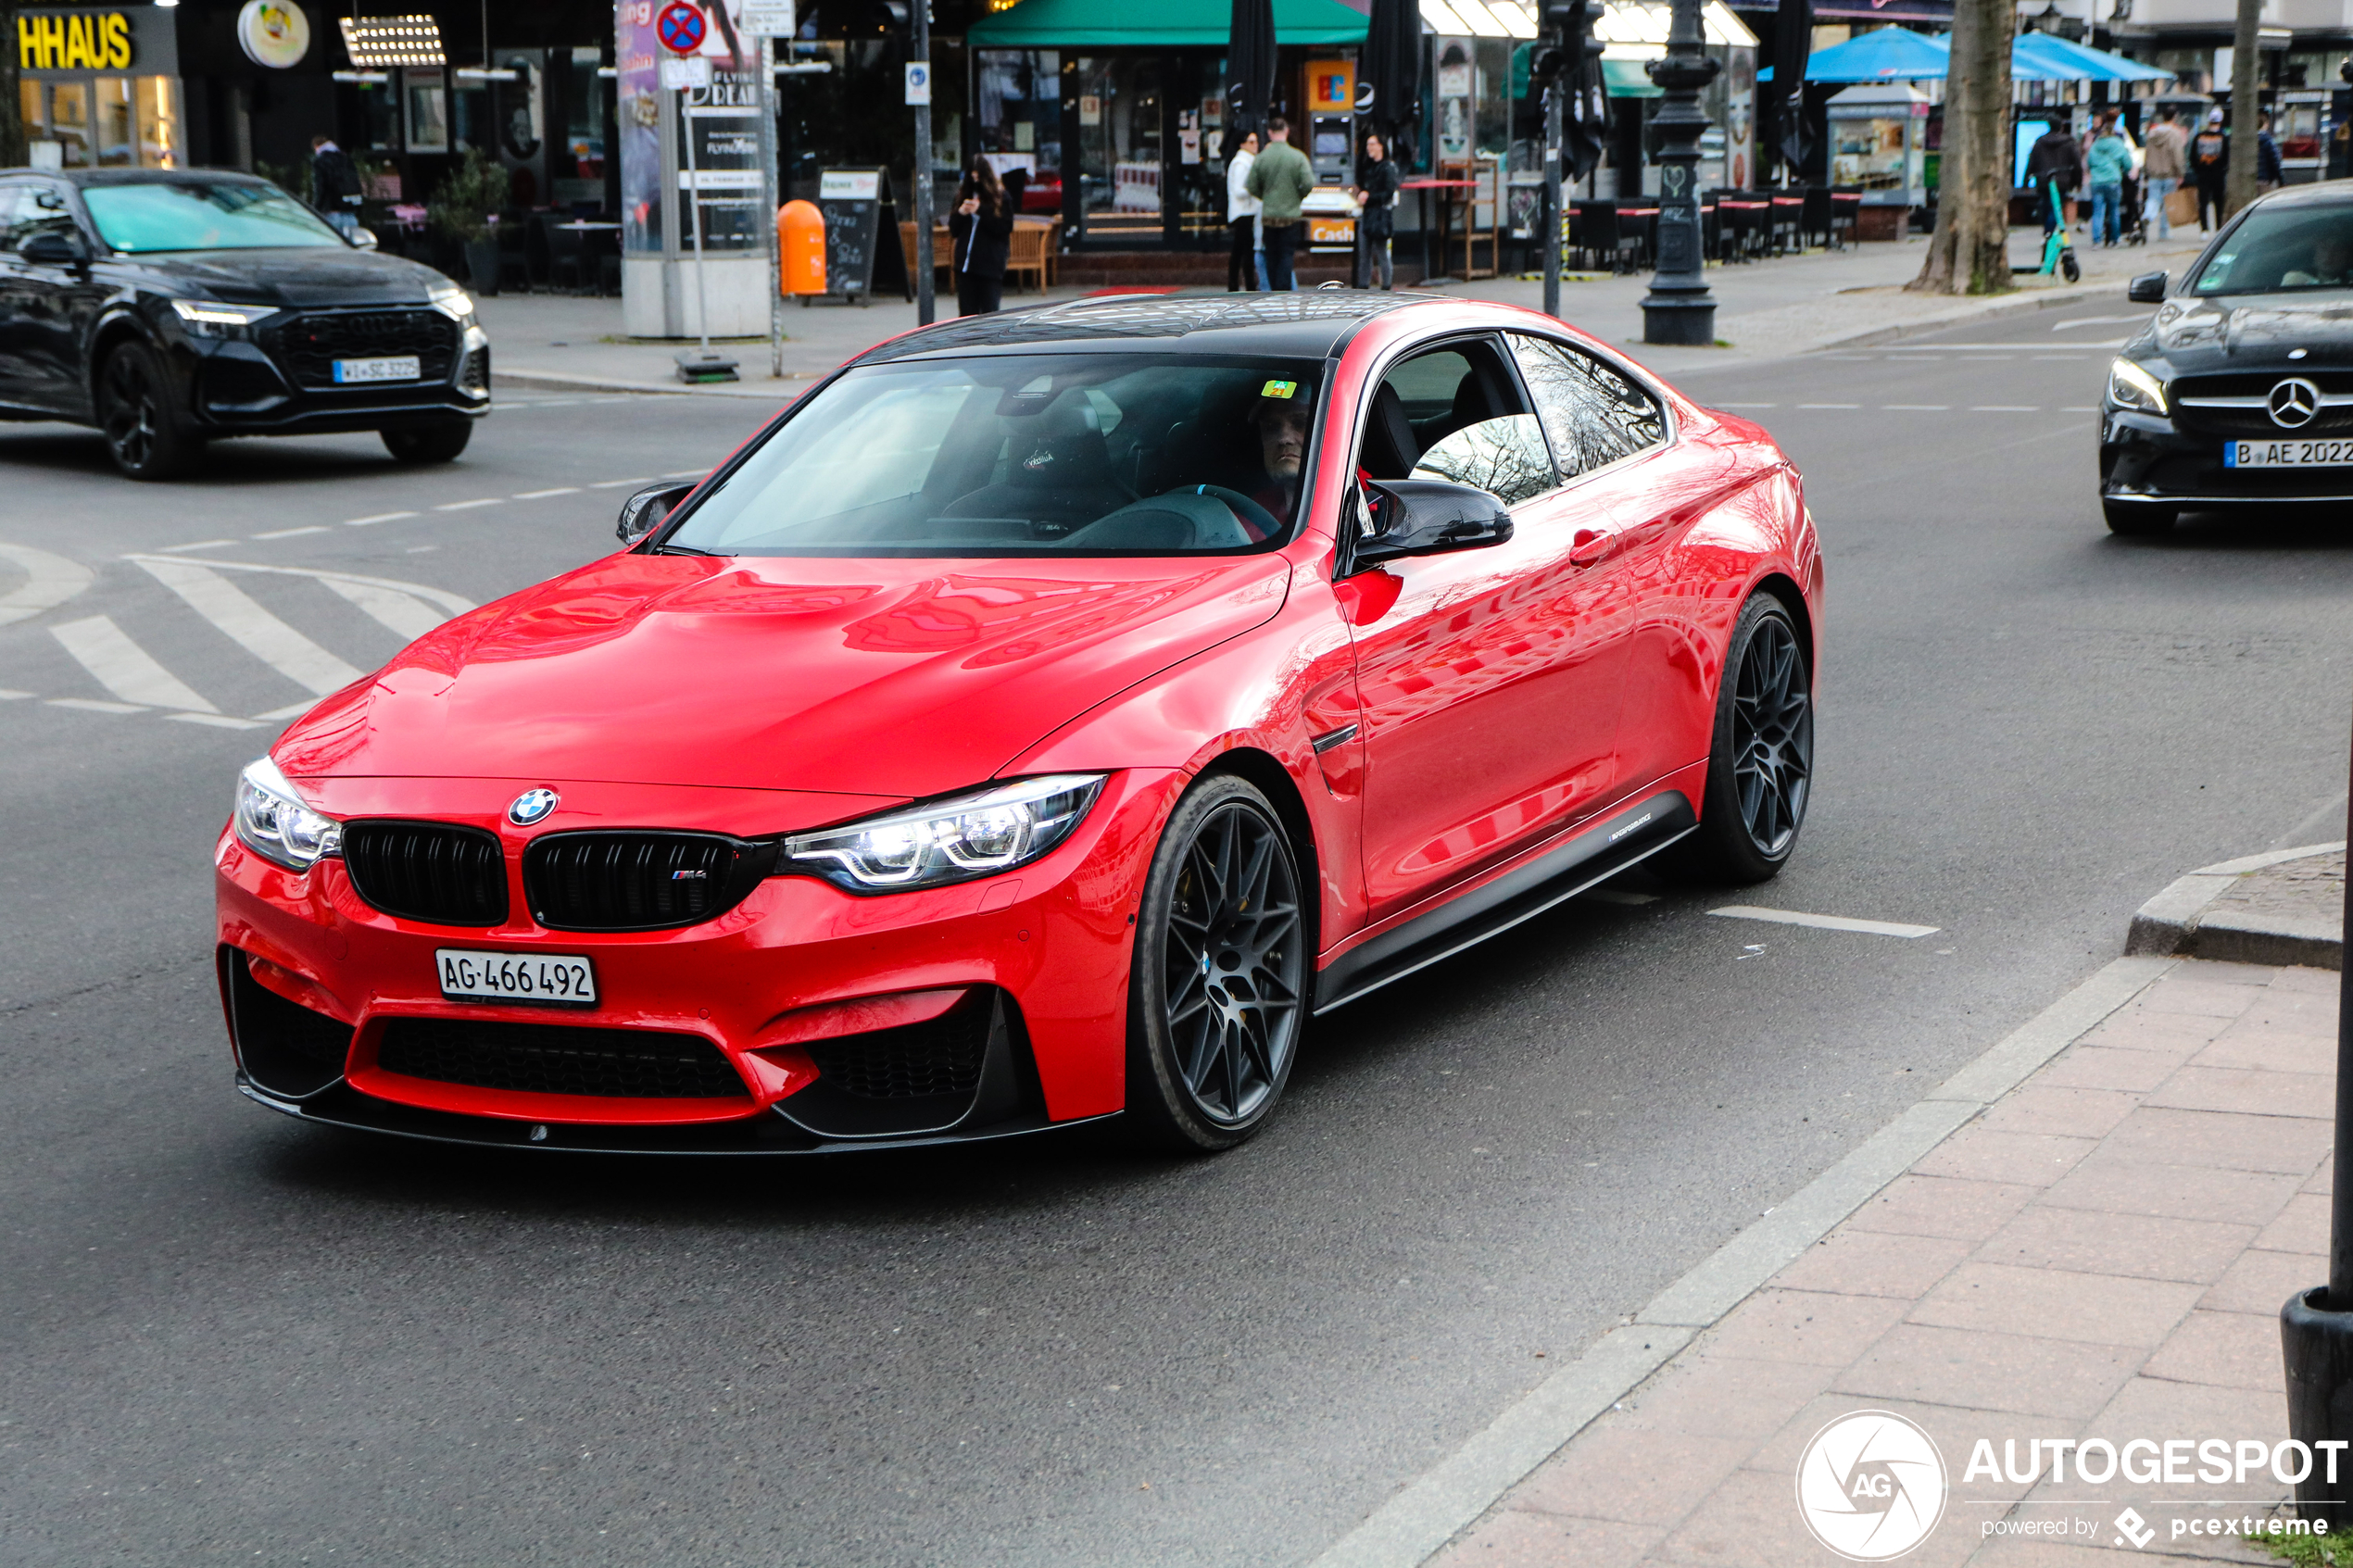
1679 309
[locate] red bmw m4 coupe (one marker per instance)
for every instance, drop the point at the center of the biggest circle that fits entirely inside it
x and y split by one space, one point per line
1038 721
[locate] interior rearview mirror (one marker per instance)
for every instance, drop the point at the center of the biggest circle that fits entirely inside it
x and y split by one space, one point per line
1427 517
643 512
2146 289
55 247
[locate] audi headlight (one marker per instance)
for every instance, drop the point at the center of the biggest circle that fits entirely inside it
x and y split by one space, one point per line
2128 386
953 840
453 302
274 824
205 318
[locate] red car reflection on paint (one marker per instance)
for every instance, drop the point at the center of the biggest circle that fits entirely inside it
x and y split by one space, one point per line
1037 722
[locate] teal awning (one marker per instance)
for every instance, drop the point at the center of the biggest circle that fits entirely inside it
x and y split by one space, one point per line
1161 24
1627 78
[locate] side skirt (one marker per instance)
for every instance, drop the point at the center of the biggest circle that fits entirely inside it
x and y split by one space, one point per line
1595 856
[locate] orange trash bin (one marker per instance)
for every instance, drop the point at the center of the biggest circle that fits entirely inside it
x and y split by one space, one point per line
801 241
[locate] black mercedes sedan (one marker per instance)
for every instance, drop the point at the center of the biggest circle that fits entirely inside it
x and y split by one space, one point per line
166 308
2239 392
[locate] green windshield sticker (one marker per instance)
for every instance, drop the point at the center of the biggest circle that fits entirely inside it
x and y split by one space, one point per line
1279 389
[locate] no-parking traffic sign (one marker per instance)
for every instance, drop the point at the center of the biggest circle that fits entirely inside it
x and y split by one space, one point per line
680 26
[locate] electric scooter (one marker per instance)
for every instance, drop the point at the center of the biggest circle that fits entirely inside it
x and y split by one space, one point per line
2059 247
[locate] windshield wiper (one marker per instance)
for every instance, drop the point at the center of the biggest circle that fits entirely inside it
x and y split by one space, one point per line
681 550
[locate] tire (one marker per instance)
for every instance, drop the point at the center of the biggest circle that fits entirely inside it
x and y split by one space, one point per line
140 416
2069 264
1760 759
2136 523
1219 993
418 444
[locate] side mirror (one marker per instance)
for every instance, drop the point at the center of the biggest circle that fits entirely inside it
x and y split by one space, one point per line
56 247
645 511
364 239
1427 517
2146 289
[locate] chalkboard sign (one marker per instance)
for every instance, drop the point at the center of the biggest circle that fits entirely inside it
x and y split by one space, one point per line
862 250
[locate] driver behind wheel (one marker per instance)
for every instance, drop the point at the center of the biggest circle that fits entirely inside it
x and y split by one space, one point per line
1281 425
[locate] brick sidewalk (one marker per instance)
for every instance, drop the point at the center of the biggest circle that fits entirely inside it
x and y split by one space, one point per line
2103 1253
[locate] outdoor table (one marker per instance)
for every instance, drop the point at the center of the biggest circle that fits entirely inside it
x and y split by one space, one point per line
1421 210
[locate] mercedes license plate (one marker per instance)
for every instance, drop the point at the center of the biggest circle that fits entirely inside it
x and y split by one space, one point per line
2287 454
565 980
397 367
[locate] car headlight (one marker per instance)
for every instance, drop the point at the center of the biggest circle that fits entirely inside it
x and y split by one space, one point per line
273 821
2128 386
952 840
205 318
453 302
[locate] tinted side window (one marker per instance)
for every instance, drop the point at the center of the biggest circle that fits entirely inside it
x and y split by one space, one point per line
1456 413
25 210
1594 415
9 195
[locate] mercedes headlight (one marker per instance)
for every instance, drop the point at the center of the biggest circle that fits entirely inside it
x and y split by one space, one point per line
2128 386
205 318
273 821
952 840
453 302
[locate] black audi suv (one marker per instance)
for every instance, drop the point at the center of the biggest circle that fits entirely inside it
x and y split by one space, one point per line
2239 392
166 308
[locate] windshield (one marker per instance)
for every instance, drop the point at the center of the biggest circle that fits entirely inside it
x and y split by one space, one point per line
1017 455
2284 250
186 215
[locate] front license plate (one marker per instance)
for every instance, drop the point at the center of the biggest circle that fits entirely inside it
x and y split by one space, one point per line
565 980
397 367
2287 454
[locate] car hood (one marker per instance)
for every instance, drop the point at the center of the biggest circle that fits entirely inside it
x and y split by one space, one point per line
312 276
2251 331
868 677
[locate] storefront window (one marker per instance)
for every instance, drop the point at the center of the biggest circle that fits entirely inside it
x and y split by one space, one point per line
69 121
113 124
1119 150
578 174
378 117
428 110
1018 120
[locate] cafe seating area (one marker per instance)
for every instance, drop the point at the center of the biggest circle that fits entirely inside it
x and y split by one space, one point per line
1735 226
573 250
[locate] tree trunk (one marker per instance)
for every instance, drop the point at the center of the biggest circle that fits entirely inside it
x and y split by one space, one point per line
2238 185
1969 252
12 147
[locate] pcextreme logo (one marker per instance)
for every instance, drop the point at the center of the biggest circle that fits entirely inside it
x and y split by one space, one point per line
1870 1485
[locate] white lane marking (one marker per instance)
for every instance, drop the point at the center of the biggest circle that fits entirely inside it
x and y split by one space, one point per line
2098 322
463 506
1825 922
291 711
453 603
124 668
617 483
10 694
1748 405
1916 408
2014 347
259 633
199 544
1829 404
404 613
217 721
379 517
543 495
292 533
49 582
92 705
2004 409
1618 896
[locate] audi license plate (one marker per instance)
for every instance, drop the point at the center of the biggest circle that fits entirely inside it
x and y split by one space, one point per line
2287 454
397 367
563 980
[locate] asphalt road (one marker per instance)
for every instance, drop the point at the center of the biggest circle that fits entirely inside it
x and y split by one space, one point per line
229 1337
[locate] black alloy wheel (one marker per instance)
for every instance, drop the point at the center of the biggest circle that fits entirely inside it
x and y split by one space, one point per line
438 443
138 415
1761 766
1219 991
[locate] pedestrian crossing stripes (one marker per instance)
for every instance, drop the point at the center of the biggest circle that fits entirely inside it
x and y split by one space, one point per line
136 682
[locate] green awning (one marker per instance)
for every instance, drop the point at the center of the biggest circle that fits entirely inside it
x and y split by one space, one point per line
1627 78
1156 24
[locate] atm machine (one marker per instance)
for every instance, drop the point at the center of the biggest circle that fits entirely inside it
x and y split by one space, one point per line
1326 137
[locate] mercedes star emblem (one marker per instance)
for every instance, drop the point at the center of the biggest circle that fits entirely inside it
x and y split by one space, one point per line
531 806
2294 402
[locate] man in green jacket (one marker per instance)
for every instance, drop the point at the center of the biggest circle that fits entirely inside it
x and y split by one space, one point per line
1281 178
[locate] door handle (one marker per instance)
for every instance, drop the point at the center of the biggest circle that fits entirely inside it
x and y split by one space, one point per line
1589 547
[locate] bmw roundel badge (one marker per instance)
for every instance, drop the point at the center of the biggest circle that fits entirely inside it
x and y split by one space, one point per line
531 806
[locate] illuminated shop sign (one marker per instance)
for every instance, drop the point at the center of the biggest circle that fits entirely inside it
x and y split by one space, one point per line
56 43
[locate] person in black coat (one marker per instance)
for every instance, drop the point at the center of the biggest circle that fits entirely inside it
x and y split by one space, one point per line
1378 195
334 184
983 228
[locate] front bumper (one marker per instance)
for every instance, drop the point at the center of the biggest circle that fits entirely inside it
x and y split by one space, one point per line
796 987
2146 460
240 387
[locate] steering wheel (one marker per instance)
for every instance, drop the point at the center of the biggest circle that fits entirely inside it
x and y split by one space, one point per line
1250 511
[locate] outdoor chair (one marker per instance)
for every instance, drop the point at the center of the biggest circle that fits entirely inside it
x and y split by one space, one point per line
1846 211
1815 218
1033 251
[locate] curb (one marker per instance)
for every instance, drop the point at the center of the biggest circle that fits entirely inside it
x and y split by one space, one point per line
2024 304
1431 1510
2180 922
551 380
